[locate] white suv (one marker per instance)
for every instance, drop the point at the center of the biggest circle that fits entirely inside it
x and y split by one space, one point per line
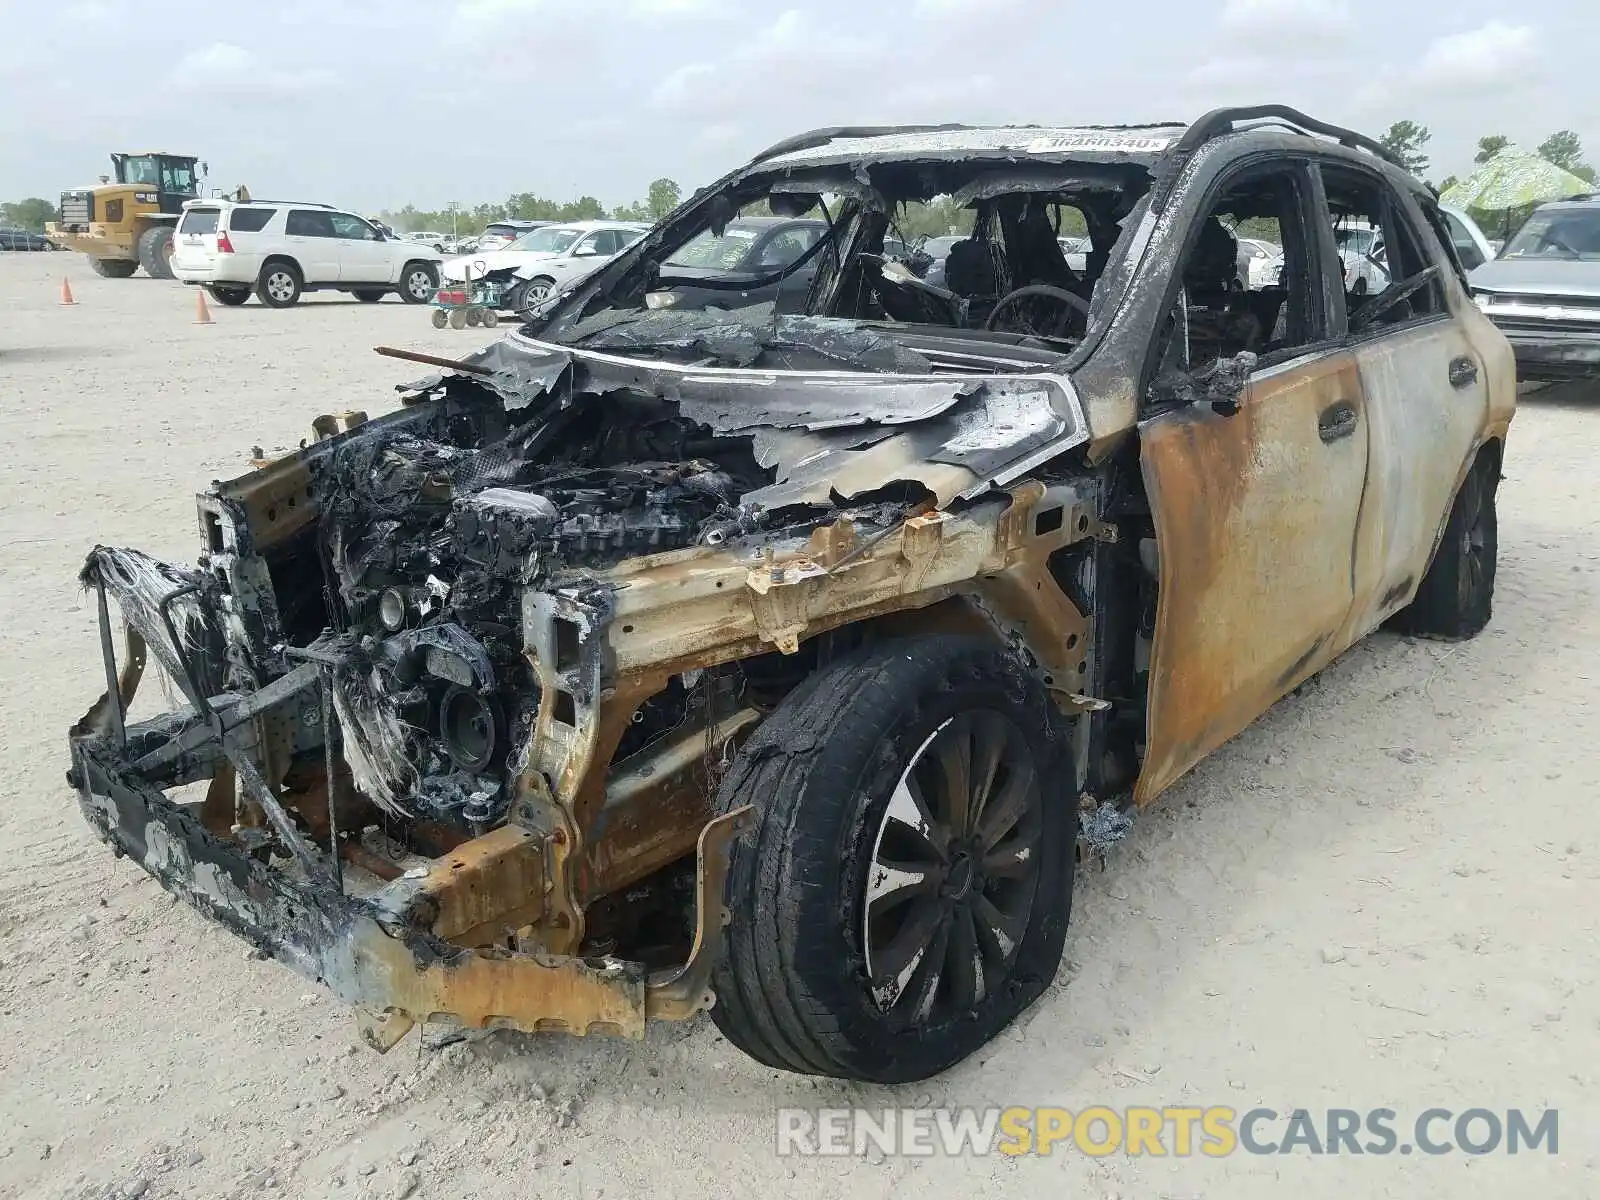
279 249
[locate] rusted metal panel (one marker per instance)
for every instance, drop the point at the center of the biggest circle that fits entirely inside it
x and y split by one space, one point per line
1255 518
479 893
275 500
656 803
1424 434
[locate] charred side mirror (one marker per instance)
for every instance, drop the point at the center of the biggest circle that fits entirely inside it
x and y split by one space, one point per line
1220 385
1224 382
721 211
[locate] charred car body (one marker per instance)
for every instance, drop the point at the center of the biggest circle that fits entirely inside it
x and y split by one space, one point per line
658 659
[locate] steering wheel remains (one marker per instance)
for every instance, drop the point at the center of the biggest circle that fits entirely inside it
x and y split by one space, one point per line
1042 311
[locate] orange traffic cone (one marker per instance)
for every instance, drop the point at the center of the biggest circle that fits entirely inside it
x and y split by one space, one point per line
66 292
202 314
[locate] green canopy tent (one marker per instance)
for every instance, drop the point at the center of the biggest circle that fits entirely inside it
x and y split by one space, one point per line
1511 181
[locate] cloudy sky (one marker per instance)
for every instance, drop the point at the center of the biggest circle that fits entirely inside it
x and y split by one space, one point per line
373 103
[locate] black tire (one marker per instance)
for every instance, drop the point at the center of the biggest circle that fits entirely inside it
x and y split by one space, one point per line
518 298
792 986
280 283
155 251
113 268
1456 597
368 296
418 282
233 296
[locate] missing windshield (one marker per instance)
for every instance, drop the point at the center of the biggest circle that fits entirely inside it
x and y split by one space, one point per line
961 247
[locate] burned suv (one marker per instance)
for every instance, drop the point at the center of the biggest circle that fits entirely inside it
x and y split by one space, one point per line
658 659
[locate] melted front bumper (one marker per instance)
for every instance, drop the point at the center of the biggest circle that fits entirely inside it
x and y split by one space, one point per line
396 977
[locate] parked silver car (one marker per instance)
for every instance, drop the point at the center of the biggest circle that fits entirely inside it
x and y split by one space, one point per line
1543 291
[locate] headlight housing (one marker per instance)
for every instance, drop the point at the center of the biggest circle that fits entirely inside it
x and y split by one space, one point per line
660 299
1484 300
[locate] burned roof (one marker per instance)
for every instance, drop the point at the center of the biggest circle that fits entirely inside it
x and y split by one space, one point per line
1127 143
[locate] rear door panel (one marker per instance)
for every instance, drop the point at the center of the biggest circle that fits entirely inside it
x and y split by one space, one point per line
194 244
1256 517
1424 433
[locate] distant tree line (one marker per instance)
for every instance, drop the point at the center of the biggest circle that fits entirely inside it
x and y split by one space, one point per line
1408 140
661 198
32 213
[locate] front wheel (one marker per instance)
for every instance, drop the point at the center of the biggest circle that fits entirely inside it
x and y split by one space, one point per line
440 318
905 893
418 283
531 294
155 251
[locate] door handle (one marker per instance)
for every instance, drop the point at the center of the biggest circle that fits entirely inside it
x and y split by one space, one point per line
1337 421
1463 372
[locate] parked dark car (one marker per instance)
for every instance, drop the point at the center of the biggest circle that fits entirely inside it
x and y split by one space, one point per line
938 249
23 239
1543 291
736 268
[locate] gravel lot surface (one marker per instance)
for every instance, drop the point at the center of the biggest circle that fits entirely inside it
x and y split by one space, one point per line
1384 894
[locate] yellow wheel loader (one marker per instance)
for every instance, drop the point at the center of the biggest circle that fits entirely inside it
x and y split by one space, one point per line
126 222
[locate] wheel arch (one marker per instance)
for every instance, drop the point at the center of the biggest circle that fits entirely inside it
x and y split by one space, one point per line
288 260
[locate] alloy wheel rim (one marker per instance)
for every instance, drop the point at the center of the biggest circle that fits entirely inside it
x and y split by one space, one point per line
280 286
954 870
1474 544
420 285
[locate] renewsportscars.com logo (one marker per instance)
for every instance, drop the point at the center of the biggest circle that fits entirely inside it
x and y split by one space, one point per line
1212 1132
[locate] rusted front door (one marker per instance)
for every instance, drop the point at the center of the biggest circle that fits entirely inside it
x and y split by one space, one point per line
1255 517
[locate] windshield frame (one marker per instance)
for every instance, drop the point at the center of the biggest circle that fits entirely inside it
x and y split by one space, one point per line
1122 163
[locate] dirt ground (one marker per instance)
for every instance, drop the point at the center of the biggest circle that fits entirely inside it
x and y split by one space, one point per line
1384 894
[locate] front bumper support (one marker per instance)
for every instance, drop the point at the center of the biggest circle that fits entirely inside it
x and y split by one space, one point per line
398 979
395 972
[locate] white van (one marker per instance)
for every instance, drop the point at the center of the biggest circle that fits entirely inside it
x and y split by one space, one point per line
279 249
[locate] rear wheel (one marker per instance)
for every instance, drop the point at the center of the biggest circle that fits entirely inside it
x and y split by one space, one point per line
418 283
113 268
440 318
490 318
155 251
223 294
458 318
279 285
905 893
367 295
1456 596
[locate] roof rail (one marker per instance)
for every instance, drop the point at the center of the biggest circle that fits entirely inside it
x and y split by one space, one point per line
821 137
295 203
1222 120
